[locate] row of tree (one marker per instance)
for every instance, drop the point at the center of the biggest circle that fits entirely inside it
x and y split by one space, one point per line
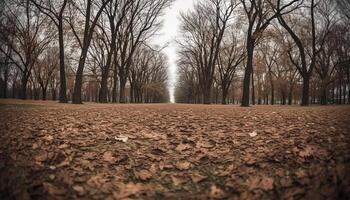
265 52
92 50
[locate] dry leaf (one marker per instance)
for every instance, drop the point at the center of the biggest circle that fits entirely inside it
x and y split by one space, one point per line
122 138
217 193
178 180
182 147
253 134
183 165
108 157
197 177
53 190
79 189
143 175
307 151
127 190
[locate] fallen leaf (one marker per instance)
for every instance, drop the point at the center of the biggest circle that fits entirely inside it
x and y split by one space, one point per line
182 147
79 189
143 175
128 189
253 134
183 165
178 180
217 193
264 183
307 151
122 138
53 190
108 157
197 177
42 157
267 183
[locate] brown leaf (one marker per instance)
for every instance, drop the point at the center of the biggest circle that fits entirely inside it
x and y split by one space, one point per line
79 189
267 183
178 180
217 193
197 177
182 147
53 190
127 190
264 183
307 151
108 157
143 175
183 165
42 157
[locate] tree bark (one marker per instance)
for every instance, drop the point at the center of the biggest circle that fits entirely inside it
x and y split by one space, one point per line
23 94
247 73
63 84
305 91
79 78
122 95
253 88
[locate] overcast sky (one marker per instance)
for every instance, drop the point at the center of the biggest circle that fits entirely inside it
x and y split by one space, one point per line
168 34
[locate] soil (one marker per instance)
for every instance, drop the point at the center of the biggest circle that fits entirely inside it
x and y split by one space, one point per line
171 151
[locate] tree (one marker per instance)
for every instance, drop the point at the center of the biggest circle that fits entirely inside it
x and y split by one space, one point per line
259 14
204 29
26 36
317 43
55 11
231 55
45 69
115 12
90 23
139 25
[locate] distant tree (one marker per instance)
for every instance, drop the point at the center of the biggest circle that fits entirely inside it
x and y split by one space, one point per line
55 11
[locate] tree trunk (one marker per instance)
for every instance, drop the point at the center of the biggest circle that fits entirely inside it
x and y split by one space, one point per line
53 94
305 91
224 95
115 86
44 93
104 87
253 88
6 76
324 95
290 96
122 97
207 94
23 94
63 85
283 98
272 92
247 73
79 78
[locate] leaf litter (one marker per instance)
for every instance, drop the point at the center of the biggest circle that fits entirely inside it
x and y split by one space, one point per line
174 152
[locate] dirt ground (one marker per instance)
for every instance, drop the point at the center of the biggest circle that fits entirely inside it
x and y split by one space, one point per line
93 151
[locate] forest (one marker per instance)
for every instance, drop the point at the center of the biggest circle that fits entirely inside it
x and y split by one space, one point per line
265 52
175 99
229 52
82 51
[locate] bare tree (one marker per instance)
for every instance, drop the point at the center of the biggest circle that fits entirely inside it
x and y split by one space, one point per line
231 55
55 10
307 53
204 29
27 38
45 69
90 23
259 14
139 25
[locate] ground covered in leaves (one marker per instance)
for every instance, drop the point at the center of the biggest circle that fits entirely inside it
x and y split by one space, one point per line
92 151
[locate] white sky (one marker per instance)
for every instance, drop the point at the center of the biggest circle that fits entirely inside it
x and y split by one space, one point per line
168 34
